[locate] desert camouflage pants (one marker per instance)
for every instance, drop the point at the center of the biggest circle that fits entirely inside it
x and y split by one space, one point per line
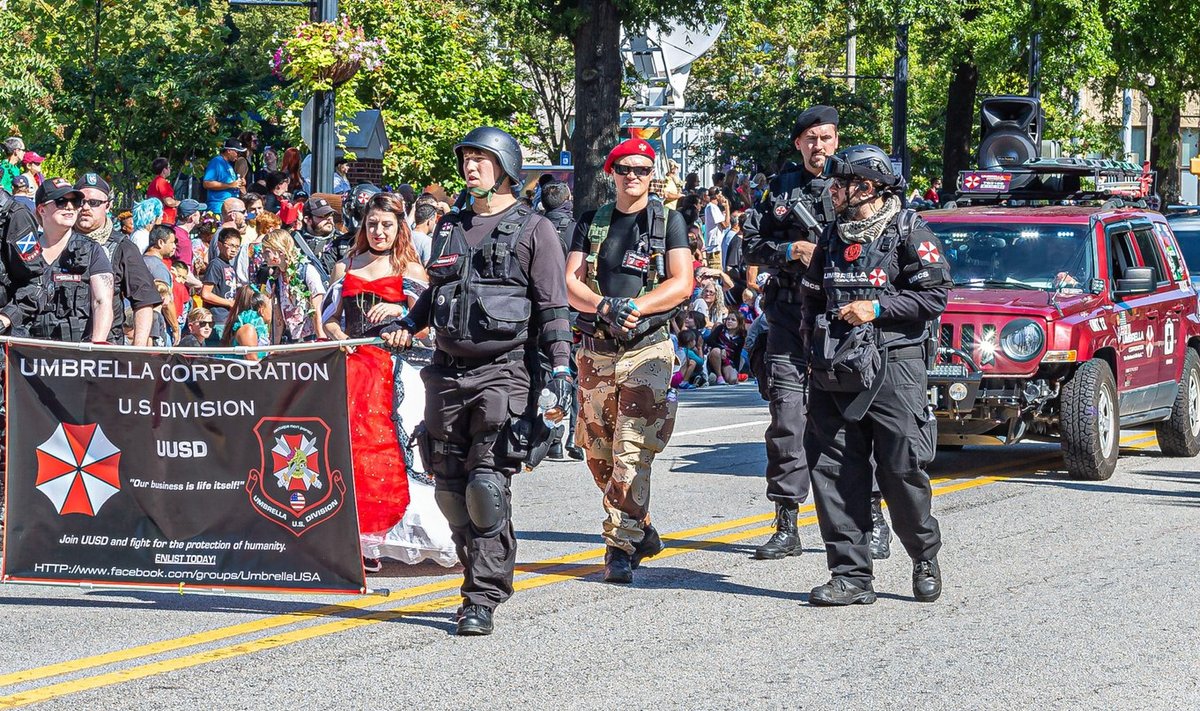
626 414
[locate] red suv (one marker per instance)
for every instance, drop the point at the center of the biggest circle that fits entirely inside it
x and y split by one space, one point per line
1072 316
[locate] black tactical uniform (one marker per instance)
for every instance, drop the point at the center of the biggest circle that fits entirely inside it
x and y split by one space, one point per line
497 293
59 296
795 209
868 386
16 223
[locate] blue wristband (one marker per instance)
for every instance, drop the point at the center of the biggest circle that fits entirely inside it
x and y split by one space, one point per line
560 370
878 309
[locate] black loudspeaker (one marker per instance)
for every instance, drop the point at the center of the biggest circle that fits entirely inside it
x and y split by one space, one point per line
1010 131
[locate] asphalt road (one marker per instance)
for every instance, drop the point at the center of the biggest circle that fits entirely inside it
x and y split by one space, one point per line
1058 594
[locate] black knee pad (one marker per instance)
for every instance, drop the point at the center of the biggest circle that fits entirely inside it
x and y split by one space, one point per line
453 506
486 503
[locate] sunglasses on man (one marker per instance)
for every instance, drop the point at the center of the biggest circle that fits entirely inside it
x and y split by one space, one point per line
642 171
63 203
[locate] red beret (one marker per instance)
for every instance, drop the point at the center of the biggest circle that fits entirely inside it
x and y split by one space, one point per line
629 147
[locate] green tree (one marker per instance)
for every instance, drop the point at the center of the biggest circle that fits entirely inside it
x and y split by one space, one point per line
444 75
594 29
29 82
1153 46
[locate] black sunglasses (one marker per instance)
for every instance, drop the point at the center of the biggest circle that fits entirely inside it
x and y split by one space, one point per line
641 171
63 202
204 323
95 203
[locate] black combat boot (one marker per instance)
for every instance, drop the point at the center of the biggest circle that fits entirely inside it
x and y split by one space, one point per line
881 533
650 546
618 566
475 621
575 452
927 580
556 451
841 591
786 539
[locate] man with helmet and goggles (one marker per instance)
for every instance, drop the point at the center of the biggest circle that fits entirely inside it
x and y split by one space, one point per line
876 285
497 295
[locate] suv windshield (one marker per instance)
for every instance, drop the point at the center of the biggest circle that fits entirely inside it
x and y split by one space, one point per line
1017 256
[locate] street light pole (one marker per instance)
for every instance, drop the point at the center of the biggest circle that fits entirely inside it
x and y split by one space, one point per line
324 132
900 101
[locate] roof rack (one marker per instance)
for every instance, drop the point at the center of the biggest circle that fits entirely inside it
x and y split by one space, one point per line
1057 180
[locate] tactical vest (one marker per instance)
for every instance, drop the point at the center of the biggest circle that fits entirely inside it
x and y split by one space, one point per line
652 250
867 272
480 301
64 296
789 189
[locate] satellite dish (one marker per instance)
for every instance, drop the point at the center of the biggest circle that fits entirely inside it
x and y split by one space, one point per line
664 54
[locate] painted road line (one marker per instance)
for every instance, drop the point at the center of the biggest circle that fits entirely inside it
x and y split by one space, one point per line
722 428
290 618
548 578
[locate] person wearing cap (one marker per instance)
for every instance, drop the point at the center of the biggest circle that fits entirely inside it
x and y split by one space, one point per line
72 295
10 167
778 236
132 281
628 271
497 295
23 191
317 236
220 179
875 286
33 169
188 214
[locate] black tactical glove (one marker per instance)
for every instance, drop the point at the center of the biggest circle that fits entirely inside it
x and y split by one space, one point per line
562 387
614 311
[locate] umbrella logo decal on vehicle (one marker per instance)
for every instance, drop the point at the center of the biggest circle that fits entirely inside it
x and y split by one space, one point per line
295 488
78 469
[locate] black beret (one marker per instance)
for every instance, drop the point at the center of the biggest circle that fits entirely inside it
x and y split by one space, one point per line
814 116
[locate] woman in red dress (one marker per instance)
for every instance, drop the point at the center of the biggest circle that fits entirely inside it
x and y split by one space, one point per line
381 278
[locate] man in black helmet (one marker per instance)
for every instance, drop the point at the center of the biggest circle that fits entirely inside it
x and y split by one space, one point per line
497 294
876 284
779 236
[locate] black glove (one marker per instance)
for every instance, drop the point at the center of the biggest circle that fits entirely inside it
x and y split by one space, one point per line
401 324
614 311
562 387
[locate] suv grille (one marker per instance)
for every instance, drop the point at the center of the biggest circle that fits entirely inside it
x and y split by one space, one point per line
982 342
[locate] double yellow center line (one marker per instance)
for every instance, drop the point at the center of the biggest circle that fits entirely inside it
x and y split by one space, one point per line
545 572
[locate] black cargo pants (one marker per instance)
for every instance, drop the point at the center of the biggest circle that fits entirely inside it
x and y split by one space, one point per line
787 393
900 431
466 410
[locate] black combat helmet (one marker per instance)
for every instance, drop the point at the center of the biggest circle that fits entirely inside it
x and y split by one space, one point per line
500 144
354 204
867 162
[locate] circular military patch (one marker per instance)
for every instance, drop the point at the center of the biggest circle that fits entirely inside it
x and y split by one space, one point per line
853 251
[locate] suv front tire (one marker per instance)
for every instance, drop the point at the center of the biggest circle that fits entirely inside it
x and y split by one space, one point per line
1090 422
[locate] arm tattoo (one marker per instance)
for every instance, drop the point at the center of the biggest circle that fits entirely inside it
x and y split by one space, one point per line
105 280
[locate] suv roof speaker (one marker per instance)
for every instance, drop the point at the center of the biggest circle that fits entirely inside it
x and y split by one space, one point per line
1010 131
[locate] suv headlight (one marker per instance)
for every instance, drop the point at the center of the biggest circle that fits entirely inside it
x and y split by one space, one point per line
1022 339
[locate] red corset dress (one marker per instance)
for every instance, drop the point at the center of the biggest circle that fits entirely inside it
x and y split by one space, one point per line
380 479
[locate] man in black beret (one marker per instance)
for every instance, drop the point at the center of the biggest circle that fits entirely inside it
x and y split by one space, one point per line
779 236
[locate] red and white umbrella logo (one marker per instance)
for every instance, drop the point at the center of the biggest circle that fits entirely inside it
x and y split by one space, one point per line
877 277
78 469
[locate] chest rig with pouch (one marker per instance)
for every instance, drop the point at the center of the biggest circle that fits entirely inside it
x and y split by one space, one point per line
649 254
65 295
852 359
481 304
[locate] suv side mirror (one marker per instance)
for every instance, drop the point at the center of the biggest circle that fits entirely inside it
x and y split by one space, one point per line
1136 280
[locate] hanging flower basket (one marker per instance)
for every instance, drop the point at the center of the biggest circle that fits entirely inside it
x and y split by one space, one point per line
343 72
325 55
